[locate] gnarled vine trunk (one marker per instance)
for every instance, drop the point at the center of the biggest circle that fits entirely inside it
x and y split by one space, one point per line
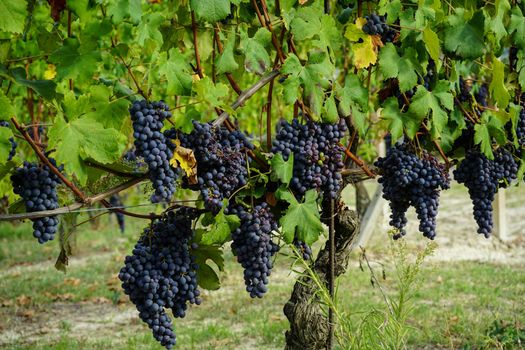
308 324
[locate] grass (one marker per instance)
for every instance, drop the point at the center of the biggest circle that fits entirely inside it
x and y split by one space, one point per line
460 305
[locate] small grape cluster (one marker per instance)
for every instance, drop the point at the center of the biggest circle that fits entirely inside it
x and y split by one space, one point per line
482 95
12 152
376 25
464 90
412 181
36 184
483 177
318 157
115 201
160 273
221 161
151 145
520 128
303 248
253 246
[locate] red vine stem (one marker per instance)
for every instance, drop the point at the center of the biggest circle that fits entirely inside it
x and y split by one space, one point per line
195 47
358 161
268 24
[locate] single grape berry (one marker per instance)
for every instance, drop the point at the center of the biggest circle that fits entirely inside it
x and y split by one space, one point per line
36 184
150 144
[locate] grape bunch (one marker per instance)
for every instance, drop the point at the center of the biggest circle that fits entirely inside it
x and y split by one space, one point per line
483 177
221 161
482 95
464 90
303 248
12 152
160 273
318 158
412 181
253 246
36 184
151 145
376 25
114 201
520 128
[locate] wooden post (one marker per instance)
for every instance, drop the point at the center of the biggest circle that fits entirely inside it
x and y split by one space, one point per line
500 216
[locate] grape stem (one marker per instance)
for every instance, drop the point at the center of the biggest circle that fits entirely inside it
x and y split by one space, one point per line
195 47
358 161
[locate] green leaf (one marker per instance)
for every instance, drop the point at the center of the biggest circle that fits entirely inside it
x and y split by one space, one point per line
497 85
211 93
256 59
211 10
75 61
431 43
306 23
465 37
6 107
388 59
84 138
177 72
13 14
226 62
402 68
330 114
497 23
221 228
301 219
121 9
111 113
148 29
398 122
282 170
517 26
45 88
207 278
424 101
5 144
482 137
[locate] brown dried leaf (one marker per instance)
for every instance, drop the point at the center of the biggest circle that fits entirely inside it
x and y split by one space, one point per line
186 159
23 300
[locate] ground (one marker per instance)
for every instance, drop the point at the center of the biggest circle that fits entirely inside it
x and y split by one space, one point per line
470 297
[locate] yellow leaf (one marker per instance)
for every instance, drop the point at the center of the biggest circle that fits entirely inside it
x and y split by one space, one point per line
51 72
302 2
365 53
354 32
360 22
186 159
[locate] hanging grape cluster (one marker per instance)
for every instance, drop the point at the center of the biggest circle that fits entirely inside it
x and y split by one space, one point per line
253 246
221 161
12 152
376 25
151 145
160 273
36 184
412 181
318 157
483 177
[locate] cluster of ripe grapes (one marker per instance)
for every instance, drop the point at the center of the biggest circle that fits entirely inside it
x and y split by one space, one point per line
318 157
253 246
12 152
483 177
520 128
221 161
36 184
376 25
304 249
160 273
412 181
150 144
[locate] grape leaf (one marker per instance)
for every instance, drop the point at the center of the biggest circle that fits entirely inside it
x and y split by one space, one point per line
219 228
301 219
211 93
6 107
497 85
465 38
517 26
177 72
425 101
14 14
211 10
282 170
482 137
431 43
121 9
330 114
399 122
497 23
45 88
207 278
84 138
226 62
148 29
74 60
402 68
5 144
256 59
